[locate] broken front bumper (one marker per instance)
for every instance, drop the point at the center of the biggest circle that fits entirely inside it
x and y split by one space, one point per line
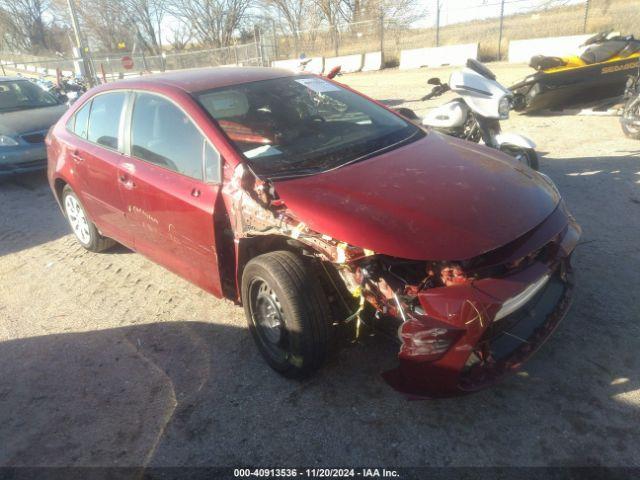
500 323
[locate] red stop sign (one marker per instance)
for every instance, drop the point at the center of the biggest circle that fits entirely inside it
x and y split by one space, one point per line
127 62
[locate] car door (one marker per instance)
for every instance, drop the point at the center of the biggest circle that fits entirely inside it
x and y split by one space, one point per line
96 153
170 180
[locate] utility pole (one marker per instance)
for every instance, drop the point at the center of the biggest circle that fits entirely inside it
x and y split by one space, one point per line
437 23
88 71
500 35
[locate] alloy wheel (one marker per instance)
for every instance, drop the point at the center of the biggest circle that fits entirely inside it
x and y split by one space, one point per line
77 219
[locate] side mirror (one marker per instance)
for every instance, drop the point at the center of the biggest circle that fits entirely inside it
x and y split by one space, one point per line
434 81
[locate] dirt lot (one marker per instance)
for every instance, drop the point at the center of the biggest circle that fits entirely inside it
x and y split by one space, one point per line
107 359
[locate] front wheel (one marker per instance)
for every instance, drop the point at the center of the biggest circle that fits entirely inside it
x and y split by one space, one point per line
527 156
630 120
287 312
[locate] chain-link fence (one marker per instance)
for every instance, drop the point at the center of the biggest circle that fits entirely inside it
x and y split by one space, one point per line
248 54
110 66
491 23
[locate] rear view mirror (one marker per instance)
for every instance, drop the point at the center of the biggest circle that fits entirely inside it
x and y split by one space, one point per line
434 81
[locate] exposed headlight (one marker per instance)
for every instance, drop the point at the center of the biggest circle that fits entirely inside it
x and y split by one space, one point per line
503 107
521 299
7 141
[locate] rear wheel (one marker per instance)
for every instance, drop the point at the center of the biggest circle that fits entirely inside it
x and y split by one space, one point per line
287 312
631 118
85 231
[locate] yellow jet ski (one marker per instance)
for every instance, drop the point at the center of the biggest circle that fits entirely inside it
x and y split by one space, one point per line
600 72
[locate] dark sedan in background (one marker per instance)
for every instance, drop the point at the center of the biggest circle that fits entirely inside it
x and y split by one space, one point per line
26 113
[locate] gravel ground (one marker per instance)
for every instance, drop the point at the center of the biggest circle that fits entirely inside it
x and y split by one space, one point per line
107 359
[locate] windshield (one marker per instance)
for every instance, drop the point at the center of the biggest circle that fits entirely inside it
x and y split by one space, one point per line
302 125
22 94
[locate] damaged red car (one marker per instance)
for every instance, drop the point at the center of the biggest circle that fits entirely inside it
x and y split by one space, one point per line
317 208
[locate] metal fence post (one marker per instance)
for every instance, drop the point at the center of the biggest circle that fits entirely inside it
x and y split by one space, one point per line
381 37
586 15
275 39
437 23
500 34
258 39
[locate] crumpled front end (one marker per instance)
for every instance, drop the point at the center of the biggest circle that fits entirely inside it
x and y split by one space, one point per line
460 324
463 337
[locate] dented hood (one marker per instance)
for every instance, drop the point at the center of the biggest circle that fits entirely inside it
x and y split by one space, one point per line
438 198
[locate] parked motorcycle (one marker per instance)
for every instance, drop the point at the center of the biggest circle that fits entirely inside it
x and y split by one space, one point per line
72 87
67 89
630 119
475 115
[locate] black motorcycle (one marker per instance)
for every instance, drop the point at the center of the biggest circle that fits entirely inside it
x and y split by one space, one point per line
630 119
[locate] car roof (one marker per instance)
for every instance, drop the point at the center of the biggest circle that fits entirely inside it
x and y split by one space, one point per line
11 79
200 79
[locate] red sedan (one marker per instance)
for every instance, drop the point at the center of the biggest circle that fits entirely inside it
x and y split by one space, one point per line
317 208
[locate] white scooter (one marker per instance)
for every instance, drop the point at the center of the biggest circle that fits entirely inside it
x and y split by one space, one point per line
476 114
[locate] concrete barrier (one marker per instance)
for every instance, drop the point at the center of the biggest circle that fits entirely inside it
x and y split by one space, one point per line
438 56
348 63
372 61
521 51
316 65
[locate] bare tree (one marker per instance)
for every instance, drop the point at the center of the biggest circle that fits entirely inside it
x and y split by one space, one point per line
180 37
293 12
24 24
146 16
104 23
213 22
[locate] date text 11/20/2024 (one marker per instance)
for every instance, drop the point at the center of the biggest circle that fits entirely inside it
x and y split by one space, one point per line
315 473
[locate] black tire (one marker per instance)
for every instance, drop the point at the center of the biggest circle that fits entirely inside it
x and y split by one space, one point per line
519 102
298 346
94 242
631 112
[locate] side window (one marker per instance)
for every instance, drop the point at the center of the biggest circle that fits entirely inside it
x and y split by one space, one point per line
212 164
104 120
78 122
163 134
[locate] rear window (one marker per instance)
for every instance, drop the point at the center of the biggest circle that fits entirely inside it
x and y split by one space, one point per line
79 121
104 119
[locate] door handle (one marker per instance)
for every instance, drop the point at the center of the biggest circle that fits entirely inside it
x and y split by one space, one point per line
76 157
195 192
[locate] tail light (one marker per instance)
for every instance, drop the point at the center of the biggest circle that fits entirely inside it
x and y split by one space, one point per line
426 343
